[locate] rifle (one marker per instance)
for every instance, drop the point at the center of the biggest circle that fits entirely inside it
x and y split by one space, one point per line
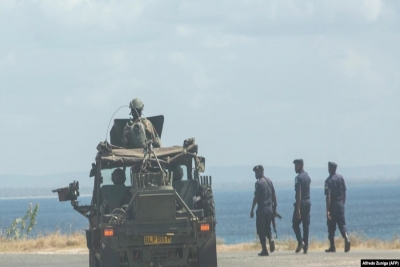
274 223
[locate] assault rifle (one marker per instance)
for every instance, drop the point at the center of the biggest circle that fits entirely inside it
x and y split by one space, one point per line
274 223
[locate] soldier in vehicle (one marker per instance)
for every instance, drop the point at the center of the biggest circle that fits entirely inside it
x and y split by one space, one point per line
107 205
118 176
265 198
335 191
177 172
302 206
139 130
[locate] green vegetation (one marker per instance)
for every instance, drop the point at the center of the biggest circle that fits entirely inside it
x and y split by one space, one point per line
19 228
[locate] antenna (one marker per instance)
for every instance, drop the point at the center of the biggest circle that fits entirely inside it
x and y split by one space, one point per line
112 118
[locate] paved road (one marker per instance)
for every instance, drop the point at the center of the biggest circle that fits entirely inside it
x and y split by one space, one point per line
225 259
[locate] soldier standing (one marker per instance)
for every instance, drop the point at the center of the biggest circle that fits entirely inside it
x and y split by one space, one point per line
265 198
139 130
302 206
335 191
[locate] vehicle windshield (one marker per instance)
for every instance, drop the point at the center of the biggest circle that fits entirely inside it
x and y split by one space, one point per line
108 172
179 173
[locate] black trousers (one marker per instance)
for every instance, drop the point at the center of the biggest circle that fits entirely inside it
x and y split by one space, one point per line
263 224
337 217
305 207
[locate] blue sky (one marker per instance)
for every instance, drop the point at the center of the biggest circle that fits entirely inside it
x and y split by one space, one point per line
255 82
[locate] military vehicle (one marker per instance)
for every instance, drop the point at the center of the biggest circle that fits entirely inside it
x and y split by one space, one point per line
162 215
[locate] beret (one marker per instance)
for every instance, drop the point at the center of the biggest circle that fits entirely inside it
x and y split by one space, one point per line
332 164
298 161
258 167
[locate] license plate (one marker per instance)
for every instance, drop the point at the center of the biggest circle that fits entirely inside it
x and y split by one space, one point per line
155 240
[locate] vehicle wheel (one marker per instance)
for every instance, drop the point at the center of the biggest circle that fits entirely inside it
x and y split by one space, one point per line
93 262
208 253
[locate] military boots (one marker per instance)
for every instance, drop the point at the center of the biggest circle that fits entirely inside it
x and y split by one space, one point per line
347 243
271 245
300 246
264 251
331 249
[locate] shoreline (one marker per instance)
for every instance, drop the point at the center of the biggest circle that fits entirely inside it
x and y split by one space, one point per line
56 243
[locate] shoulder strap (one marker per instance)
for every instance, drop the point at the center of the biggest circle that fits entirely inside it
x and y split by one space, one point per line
265 180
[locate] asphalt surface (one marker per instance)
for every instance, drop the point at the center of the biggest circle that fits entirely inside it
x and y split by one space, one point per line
225 259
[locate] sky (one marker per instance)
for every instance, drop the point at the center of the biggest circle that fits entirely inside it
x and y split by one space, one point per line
255 82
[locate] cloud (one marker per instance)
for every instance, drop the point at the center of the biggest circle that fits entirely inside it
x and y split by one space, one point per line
206 64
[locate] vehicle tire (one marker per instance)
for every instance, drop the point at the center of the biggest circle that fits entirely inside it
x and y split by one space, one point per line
93 262
208 253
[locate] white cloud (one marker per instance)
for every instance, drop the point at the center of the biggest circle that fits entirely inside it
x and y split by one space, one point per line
272 61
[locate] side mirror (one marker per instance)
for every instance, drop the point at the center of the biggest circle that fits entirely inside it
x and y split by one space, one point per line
93 170
70 192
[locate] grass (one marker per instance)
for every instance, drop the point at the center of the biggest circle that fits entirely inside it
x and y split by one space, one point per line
54 241
358 242
57 242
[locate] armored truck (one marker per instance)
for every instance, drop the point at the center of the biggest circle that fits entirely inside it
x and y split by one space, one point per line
150 206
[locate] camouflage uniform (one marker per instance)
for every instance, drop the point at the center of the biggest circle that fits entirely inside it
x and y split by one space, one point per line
137 132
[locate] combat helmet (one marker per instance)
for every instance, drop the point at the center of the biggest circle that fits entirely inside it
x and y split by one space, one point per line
136 104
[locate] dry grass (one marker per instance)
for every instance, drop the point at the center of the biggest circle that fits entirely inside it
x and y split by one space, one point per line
59 242
51 241
358 242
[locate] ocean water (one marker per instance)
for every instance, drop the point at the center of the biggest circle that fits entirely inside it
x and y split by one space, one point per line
371 211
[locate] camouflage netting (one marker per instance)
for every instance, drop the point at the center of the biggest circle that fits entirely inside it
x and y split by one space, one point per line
113 156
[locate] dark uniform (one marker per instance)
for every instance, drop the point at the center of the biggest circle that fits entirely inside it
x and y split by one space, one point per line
302 184
336 188
263 193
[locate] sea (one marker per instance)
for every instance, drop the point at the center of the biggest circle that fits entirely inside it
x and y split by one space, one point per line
371 212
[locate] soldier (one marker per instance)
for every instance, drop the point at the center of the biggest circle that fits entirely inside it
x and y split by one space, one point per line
118 176
139 130
302 206
265 198
335 191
